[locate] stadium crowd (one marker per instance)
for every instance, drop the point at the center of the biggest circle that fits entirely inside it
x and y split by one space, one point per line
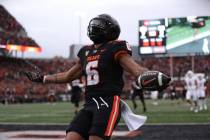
8 22
12 39
11 32
16 87
180 64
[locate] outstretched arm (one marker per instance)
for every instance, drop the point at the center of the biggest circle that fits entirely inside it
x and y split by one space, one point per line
64 77
74 73
129 65
148 80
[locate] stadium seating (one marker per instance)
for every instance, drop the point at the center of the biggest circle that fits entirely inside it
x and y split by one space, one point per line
9 23
12 33
12 80
180 64
18 88
10 38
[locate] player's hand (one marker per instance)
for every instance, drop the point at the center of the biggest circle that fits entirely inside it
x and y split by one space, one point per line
153 81
36 76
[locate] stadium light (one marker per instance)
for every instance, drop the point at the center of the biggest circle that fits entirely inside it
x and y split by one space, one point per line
81 15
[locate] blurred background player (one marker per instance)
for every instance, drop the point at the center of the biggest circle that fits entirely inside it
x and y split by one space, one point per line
201 91
76 91
137 91
154 97
51 97
191 95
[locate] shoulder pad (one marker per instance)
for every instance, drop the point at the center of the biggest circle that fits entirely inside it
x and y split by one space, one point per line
86 47
120 42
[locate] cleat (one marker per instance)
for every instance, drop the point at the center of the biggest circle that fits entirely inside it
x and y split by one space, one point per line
200 108
196 110
205 107
191 108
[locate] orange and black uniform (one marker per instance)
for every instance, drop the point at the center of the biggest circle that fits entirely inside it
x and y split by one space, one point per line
104 84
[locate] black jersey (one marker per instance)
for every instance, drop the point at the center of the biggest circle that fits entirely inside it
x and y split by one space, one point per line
102 71
76 86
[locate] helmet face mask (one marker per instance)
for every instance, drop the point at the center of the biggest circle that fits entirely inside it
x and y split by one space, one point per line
190 74
103 28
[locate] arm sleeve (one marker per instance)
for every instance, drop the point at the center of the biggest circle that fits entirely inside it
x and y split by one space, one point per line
121 48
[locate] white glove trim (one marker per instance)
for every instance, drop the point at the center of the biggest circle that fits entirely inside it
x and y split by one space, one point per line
139 82
160 77
44 79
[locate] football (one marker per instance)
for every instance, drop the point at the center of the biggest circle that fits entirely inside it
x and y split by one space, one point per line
153 80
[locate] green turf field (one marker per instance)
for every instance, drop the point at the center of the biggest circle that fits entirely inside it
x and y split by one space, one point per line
166 112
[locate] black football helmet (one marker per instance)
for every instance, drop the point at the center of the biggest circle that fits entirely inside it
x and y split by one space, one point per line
103 28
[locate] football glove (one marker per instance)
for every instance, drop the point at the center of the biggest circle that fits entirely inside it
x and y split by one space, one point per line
36 76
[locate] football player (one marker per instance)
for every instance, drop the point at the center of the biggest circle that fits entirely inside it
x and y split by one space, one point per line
201 91
137 91
154 97
76 91
102 64
191 86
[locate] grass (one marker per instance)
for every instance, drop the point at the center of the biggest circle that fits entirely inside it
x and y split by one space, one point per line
166 112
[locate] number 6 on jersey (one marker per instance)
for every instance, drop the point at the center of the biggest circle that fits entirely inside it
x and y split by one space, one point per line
92 73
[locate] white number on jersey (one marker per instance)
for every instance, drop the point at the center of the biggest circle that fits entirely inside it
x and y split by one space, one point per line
92 73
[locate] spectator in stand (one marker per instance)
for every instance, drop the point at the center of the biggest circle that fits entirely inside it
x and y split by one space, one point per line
11 66
7 70
8 22
11 32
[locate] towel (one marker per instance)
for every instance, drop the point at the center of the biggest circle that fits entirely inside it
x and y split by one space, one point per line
132 121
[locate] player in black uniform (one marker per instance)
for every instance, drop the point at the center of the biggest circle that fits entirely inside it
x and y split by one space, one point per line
76 91
137 91
102 64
